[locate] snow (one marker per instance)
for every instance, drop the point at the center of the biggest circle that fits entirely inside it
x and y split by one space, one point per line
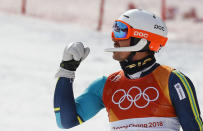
30 53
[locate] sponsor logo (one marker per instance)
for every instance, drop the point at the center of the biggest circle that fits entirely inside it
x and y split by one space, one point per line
141 34
139 63
134 100
142 125
159 27
116 78
126 16
179 89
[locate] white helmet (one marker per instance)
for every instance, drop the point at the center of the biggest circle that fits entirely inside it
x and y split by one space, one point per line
140 24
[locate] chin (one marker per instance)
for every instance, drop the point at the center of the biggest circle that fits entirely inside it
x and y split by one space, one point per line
116 57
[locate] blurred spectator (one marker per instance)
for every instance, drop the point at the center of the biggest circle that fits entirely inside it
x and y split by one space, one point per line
171 13
131 6
190 14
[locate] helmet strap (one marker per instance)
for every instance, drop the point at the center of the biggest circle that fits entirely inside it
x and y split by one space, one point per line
133 41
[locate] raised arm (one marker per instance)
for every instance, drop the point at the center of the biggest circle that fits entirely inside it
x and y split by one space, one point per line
69 111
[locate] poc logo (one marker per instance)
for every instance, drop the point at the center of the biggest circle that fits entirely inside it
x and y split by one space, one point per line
159 27
141 34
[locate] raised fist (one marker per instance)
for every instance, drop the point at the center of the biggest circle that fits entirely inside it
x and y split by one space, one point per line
75 51
73 54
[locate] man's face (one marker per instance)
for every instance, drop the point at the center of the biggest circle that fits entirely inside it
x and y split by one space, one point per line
120 56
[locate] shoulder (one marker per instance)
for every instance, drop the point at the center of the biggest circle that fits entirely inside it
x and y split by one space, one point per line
96 87
162 74
180 84
163 68
113 75
99 81
162 71
178 79
179 76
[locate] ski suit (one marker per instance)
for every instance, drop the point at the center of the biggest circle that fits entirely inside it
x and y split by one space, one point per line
163 100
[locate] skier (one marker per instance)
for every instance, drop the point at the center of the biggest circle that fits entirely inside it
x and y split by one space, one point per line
144 95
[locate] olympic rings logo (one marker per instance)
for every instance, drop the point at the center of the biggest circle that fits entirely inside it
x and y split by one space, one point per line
135 99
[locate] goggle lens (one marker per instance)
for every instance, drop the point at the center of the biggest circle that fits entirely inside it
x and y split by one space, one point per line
120 30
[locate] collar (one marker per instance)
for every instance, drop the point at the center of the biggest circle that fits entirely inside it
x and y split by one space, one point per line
141 73
136 68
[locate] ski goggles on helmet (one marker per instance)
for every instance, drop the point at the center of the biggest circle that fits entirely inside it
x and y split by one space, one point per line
123 31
